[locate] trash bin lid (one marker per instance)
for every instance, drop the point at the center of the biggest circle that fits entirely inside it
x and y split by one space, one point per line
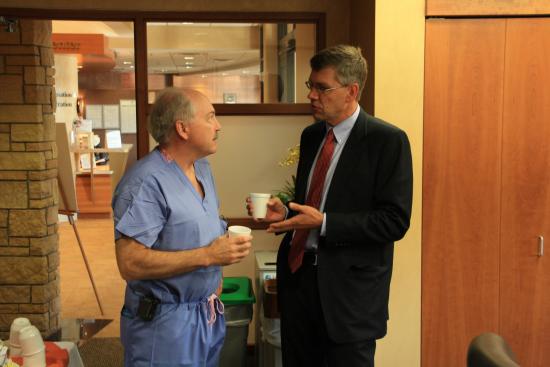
237 291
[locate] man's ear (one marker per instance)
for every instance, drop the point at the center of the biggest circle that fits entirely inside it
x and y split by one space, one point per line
354 91
182 130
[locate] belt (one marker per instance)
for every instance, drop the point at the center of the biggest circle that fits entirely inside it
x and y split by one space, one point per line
310 258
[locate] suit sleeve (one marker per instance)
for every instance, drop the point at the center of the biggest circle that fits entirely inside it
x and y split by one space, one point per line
387 218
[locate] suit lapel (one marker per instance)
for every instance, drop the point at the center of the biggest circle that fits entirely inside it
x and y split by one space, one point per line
349 159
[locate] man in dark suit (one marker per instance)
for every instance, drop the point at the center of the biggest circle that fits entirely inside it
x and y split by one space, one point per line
353 200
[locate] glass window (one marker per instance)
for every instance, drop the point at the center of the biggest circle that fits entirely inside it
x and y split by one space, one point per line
95 89
231 62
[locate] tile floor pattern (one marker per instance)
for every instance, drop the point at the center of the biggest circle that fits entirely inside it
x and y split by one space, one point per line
77 295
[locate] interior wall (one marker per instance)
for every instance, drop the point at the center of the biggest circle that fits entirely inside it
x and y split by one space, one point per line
66 87
362 34
399 80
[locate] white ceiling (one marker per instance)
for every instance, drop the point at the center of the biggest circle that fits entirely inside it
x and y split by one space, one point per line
180 48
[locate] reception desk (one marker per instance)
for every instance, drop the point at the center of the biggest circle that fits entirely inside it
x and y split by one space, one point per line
95 185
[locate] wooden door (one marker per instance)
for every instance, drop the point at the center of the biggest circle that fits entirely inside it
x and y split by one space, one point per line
464 67
486 7
525 277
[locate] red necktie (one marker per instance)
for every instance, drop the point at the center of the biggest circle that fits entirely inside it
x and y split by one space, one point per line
313 199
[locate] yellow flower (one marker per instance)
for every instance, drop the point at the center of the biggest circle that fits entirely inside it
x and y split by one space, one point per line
292 157
287 193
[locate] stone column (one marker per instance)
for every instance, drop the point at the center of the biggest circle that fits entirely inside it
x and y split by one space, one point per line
29 257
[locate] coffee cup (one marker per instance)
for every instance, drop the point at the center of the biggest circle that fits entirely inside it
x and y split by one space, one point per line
236 231
259 203
14 343
36 360
31 342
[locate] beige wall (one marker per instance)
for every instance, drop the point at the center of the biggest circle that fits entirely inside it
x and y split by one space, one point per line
398 91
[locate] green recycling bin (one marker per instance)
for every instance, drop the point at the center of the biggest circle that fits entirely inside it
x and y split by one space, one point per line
238 298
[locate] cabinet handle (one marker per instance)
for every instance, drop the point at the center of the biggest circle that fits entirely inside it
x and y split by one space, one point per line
541 246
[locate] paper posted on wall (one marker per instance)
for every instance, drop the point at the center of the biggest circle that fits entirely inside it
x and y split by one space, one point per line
113 138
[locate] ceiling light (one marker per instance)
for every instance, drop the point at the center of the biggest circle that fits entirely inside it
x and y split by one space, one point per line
127 63
188 67
189 58
188 63
203 76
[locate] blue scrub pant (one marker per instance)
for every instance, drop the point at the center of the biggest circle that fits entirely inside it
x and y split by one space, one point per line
178 336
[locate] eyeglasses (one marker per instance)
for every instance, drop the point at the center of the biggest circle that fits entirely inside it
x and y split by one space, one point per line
320 89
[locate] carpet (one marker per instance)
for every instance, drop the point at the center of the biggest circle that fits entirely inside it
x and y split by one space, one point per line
102 352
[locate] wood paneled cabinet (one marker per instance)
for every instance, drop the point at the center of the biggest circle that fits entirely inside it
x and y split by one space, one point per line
95 186
486 188
93 194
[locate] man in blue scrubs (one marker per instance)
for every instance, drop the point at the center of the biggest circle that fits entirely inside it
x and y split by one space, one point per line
170 241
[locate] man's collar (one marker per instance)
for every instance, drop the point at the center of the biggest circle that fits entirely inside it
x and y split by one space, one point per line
343 128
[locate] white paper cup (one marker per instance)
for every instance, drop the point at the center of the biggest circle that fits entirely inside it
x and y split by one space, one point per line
31 341
14 343
36 360
236 231
259 202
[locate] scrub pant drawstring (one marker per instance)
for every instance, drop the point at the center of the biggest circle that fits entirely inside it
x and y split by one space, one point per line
214 305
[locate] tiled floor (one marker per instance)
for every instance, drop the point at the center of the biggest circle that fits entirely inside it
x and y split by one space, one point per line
77 295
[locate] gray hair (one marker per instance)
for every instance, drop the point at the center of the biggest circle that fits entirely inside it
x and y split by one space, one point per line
347 61
171 105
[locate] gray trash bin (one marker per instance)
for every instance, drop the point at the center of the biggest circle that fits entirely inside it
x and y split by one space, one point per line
238 298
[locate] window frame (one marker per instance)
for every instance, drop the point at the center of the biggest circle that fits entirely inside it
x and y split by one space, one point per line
140 20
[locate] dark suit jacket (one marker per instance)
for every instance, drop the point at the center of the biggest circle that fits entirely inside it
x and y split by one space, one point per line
368 207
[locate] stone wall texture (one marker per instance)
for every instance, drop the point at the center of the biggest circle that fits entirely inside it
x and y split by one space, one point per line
29 258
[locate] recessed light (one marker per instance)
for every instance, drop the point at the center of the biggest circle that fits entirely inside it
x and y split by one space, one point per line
189 57
188 67
127 63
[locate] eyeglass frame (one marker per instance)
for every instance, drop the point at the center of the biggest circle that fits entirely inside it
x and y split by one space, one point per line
321 90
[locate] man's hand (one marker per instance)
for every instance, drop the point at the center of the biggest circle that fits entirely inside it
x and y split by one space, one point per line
307 217
276 211
226 251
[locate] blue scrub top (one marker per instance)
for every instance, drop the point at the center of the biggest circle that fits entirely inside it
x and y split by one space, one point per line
156 205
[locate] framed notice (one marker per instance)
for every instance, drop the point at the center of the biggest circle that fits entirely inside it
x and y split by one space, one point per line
111 118
128 119
94 112
113 139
